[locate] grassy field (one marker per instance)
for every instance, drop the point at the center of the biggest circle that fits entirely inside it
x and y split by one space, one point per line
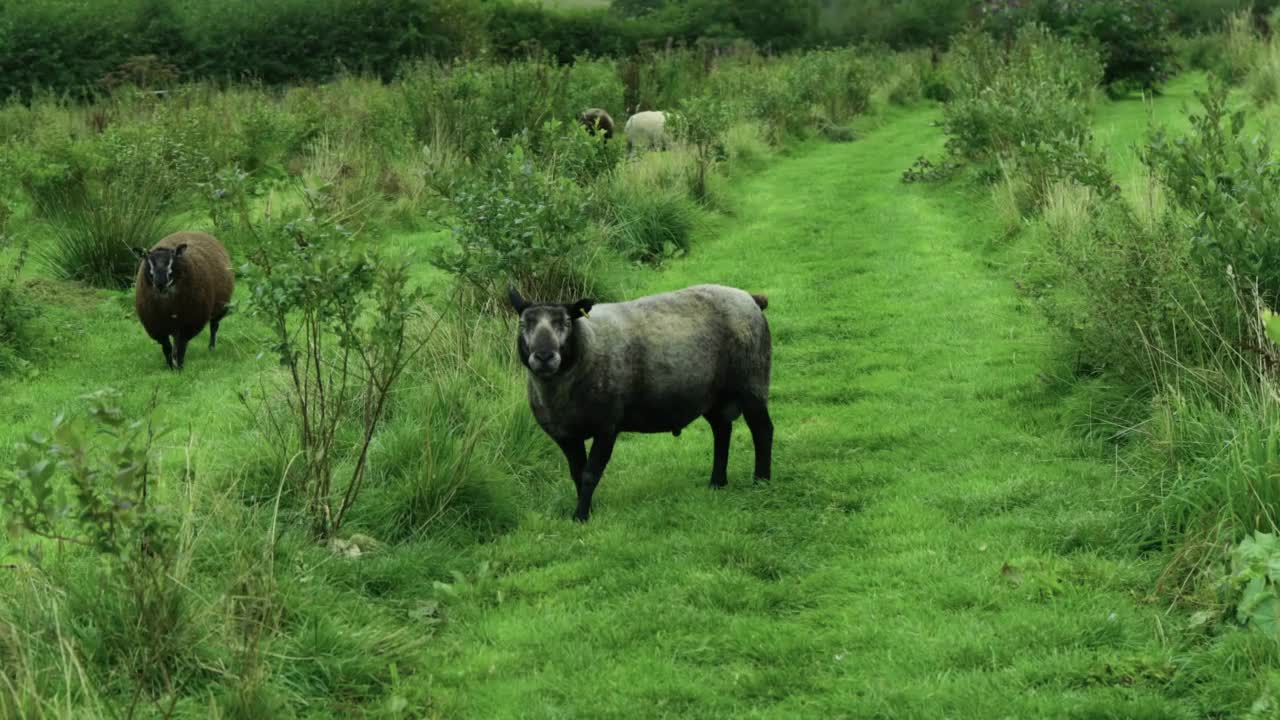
937 540
934 543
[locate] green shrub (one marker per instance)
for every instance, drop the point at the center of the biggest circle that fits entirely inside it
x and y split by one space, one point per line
16 310
1230 183
88 485
343 325
464 106
700 125
1132 36
1130 294
1240 49
72 46
658 80
566 149
1201 51
1037 91
1264 80
515 221
1026 107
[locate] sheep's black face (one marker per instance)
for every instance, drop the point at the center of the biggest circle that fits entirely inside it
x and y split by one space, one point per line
163 267
546 339
545 333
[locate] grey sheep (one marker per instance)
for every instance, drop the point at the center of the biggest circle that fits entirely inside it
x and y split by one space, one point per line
650 365
184 282
595 119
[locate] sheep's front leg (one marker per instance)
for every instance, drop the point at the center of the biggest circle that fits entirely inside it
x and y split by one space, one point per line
180 350
167 347
601 451
575 451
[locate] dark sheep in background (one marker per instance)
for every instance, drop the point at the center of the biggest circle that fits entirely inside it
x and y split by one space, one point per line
594 119
651 365
184 282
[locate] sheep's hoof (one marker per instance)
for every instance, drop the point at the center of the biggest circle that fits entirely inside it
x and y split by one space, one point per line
718 483
580 518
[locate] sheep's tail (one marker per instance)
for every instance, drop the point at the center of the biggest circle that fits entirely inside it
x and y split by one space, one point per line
762 301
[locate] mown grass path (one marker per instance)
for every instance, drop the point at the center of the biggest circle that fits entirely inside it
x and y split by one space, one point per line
933 543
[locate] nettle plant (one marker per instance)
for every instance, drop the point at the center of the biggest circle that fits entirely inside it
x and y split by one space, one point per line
1255 577
343 324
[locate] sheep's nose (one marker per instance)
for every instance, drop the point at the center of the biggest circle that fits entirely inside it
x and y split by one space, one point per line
545 357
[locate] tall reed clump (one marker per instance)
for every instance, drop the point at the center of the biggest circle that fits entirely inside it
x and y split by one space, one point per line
94 236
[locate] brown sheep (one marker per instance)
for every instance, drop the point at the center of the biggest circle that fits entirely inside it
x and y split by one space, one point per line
184 282
595 118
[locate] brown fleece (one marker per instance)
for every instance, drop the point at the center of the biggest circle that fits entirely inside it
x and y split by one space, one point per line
203 289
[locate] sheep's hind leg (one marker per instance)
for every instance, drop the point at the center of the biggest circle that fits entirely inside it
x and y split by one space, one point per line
213 334
722 431
756 412
601 451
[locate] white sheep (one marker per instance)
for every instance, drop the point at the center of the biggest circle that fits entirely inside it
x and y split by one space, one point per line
647 129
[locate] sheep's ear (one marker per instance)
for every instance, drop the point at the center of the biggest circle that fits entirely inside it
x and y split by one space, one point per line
580 308
517 303
177 252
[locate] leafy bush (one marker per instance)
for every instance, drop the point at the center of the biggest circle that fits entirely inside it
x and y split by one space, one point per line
1028 106
90 487
342 326
699 124
72 46
1036 92
1255 577
1130 294
1132 36
1264 79
1240 49
1231 183
517 221
566 149
16 310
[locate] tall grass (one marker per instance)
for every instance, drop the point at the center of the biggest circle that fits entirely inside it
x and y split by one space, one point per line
93 238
